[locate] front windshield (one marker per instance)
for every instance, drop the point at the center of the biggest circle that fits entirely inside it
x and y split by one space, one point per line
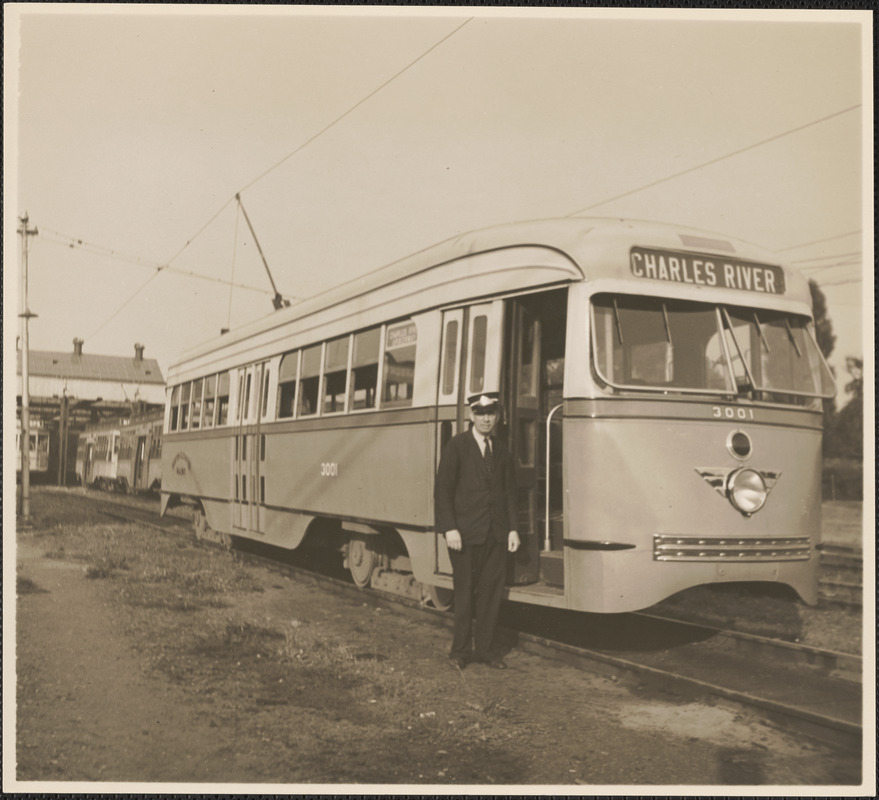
656 344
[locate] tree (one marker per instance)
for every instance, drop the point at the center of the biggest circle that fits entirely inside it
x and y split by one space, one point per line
826 342
849 423
823 326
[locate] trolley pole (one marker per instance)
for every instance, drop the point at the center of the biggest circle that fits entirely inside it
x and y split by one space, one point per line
25 232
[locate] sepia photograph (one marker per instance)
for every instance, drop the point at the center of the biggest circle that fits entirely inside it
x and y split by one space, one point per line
438 401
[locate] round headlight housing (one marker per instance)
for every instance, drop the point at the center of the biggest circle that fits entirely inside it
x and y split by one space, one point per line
746 490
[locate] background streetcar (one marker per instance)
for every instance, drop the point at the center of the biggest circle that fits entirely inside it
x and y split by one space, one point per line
122 454
38 448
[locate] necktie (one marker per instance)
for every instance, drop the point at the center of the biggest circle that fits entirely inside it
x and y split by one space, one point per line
488 457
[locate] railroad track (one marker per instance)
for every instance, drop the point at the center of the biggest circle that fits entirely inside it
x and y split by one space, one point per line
841 576
812 692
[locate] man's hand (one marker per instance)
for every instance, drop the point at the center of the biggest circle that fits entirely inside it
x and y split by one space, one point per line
453 540
513 541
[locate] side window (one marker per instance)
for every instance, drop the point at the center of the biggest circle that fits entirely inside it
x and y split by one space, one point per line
477 357
399 366
210 387
246 410
196 403
223 398
364 369
185 391
155 442
335 375
239 397
287 375
175 409
309 381
450 357
266 372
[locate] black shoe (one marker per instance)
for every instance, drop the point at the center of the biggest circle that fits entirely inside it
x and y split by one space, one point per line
495 663
458 663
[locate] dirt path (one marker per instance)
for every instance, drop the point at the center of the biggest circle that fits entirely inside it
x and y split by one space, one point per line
86 708
285 682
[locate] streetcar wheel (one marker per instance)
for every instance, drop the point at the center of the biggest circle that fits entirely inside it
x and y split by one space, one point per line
362 559
439 597
200 524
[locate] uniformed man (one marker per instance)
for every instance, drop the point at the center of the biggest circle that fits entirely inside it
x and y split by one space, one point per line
476 510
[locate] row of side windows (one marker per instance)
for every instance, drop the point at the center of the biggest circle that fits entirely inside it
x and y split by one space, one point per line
128 444
106 446
343 374
370 369
201 403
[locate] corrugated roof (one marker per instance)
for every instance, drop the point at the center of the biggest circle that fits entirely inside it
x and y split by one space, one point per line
115 369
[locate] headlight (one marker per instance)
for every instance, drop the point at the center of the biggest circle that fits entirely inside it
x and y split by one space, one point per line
746 490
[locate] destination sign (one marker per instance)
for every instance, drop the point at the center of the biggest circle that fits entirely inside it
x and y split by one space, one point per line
706 270
402 335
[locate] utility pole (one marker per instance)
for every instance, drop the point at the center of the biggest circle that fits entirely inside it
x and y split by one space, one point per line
63 433
24 232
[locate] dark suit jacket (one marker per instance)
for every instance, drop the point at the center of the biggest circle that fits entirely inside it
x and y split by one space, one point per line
465 499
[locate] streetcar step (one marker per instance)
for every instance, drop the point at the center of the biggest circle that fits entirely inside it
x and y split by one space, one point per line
552 567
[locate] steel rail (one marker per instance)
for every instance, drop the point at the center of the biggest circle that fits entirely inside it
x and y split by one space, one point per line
829 730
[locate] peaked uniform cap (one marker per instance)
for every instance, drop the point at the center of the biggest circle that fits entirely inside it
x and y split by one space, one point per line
484 400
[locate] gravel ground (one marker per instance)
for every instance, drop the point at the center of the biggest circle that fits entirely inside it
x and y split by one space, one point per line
153 659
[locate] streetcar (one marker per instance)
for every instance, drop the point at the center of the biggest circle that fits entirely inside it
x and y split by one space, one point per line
662 392
122 454
139 466
38 447
97 454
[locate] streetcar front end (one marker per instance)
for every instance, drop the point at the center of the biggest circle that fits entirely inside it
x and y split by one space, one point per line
692 454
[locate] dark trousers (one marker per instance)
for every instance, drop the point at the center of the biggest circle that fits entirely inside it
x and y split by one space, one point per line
478 572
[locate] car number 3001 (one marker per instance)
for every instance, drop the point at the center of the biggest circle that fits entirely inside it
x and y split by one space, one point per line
728 412
329 469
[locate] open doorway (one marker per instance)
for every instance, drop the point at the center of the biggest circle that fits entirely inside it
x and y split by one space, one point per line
534 365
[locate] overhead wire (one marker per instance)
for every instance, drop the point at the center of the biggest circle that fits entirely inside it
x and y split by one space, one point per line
71 242
119 310
824 258
355 106
234 251
166 266
717 160
841 283
819 241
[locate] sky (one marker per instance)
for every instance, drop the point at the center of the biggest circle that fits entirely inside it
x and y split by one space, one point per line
357 137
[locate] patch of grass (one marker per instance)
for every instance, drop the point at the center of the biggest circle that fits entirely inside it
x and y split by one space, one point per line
230 640
27 586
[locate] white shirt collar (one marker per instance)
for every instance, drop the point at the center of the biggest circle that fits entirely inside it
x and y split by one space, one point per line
480 439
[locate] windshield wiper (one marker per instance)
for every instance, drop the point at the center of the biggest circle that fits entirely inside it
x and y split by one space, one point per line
760 331
616 316
790 334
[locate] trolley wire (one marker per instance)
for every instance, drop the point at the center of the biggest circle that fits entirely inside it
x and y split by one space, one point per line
119 310
72 242
322 131
824 258
717 160
167 266
819 241
841 283
356 105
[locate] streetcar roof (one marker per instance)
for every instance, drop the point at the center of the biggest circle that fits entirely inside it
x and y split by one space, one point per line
502 259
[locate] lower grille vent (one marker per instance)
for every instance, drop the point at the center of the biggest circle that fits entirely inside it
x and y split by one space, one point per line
715 548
